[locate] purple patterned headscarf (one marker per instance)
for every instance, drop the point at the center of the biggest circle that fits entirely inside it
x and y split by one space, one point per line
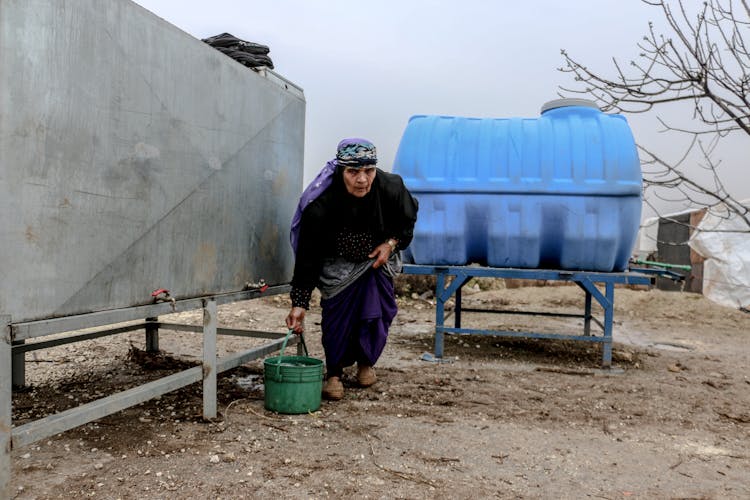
352 152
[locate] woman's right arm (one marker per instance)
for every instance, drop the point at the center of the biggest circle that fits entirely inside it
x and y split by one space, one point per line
295 320
307 266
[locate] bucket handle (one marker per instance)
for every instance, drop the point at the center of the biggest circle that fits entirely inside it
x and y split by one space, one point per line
286 339
283 348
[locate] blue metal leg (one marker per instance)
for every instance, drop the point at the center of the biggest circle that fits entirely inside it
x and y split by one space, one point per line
607 301
442 294
587 315
609 312
457 311
439 314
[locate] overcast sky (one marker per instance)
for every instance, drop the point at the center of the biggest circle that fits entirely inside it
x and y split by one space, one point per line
366 67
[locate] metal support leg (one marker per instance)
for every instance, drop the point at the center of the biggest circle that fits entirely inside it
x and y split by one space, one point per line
6 415
609 313
587 315
209 358
457 311
19 367
152 335
439 314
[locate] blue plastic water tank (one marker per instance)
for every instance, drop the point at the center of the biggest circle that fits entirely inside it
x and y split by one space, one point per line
562 191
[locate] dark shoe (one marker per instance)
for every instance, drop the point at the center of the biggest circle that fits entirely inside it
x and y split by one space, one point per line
333 389
366 376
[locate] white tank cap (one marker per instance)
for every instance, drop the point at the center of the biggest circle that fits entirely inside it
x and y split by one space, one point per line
563 103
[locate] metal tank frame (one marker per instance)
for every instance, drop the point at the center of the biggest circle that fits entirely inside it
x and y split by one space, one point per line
13 346
134 157
588 281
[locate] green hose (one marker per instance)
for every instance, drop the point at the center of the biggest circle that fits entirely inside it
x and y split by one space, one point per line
681 267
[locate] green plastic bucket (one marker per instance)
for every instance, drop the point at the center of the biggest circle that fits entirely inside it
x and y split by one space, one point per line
292 383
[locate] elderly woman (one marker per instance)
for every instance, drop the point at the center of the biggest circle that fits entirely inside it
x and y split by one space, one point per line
351 223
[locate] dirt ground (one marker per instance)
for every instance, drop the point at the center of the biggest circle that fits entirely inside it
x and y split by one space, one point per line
503 419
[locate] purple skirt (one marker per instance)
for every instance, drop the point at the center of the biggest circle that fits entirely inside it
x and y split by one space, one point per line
355 321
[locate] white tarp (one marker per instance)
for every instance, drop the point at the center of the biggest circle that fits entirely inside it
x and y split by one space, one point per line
723 238
647 235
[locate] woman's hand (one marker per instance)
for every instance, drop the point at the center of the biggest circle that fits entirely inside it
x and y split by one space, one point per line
381 254
295 320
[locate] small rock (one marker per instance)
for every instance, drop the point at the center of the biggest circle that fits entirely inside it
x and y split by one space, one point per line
625 356
98 466
214 459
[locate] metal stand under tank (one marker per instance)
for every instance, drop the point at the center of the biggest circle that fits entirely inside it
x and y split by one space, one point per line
587 281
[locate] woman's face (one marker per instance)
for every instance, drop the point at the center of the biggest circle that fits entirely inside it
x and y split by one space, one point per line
358 181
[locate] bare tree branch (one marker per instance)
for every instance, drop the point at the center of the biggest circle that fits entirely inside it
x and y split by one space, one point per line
702 58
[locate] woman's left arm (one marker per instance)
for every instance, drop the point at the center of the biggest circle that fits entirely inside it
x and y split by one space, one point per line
401 215
405 216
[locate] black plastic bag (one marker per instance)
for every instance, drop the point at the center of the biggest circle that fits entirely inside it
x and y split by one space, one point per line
250 54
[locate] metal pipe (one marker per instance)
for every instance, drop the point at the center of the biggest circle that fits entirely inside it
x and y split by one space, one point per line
152 334
6 411
41 328
209 359
19 365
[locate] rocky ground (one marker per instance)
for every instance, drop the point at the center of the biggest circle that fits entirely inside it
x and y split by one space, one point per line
503 419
